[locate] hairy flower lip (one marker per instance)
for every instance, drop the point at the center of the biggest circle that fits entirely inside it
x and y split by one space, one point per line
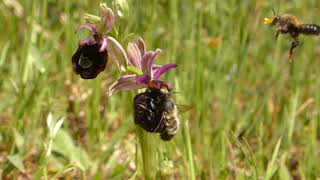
93 49
146 112
155 111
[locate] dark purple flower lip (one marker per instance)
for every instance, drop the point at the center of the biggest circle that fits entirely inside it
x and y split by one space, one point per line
91 56
146 111
155 111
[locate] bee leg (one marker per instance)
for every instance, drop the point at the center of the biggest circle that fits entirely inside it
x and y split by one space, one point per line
277 34
294 44
158 126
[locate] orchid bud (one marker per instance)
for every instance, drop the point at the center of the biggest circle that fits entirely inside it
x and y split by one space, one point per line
121 8
107 18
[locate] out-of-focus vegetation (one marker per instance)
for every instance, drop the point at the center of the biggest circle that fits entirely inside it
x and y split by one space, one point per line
255 113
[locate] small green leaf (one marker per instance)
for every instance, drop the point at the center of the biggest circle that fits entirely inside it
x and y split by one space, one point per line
64 145
49 120
283 170
16 161
118 171
80 158
4 53
36 59
272 166
134 70
18 139
92 18
57 126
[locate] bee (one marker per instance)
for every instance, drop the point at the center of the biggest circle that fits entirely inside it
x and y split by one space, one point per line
155 111
289 24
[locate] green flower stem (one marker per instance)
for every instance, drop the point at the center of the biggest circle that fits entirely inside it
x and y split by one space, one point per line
149 143
189 149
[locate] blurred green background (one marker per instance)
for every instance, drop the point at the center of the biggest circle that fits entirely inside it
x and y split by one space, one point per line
255 112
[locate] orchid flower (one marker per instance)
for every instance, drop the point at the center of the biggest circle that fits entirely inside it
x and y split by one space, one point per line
91 56
92 53
141 64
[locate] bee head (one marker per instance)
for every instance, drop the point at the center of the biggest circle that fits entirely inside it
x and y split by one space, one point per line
162 86
273 20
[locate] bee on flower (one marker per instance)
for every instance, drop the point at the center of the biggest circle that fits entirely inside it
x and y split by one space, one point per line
154 109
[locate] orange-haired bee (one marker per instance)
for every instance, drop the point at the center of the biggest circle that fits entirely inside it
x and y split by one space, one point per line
291 25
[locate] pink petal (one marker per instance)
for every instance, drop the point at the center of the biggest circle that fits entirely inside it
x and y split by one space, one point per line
104 44
126 82
162 70
150 62
145 79
91 27
147 61
156 66
144 62
141 45
134 55
116 53
107 18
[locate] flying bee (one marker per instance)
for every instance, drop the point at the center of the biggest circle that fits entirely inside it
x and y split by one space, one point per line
288 24
155 111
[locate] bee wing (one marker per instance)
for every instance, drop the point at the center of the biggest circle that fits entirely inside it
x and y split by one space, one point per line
184 108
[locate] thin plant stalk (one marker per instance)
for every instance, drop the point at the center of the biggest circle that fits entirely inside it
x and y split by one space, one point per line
149 150
189 150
